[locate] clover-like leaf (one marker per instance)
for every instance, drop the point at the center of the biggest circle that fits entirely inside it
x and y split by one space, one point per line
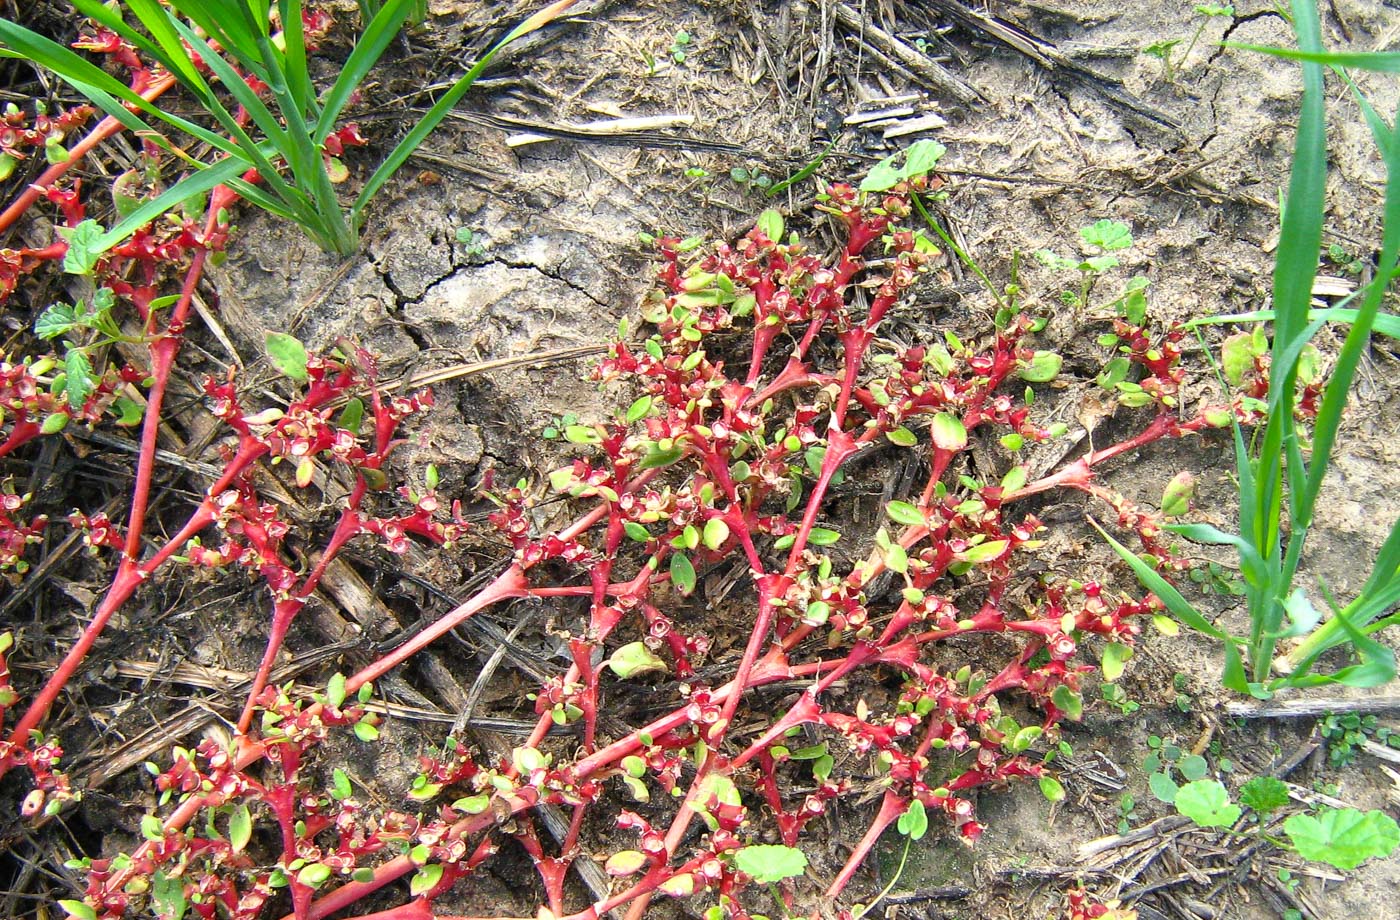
914 822
1108 235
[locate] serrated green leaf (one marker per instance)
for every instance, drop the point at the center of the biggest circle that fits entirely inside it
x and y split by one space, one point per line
1264 794
287 355
55 321
1343 837
78 385
1207 802
84 247
767 863
1108 235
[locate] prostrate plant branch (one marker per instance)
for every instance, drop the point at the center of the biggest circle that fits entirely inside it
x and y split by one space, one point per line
701 468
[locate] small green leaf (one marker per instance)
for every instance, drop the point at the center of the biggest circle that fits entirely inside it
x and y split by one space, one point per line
240 828
1051 789
716 532
352 416
1068 702
904 513
625 862
314 875
582 434
1264 794
78 370
770 224
636 531
1207 802
902 437
1042 367
366 731
473 804
1343 837
287 355
921 157
1115 656
335 690
340 785
639 409
152 829
657 456
821 536
984 552
1108 235
424 879
129 412
1193 767
767 863
882 176
1163 787
948 431
168 894
634 658
55 321
914 822
1176 497
682 574
78 910
84 242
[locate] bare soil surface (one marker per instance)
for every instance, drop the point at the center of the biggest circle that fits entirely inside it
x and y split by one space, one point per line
509 266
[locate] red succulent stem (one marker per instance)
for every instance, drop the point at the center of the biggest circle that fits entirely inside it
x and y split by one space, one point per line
105 128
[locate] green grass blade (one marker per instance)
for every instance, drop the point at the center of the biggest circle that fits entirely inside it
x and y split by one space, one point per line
802 173
1329 414
1378 61
438 112
298 75
97 85
198 184
376 37
1234 676
163 45
1386 324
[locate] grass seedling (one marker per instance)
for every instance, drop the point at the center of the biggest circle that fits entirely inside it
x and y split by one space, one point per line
1279 483
245 64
